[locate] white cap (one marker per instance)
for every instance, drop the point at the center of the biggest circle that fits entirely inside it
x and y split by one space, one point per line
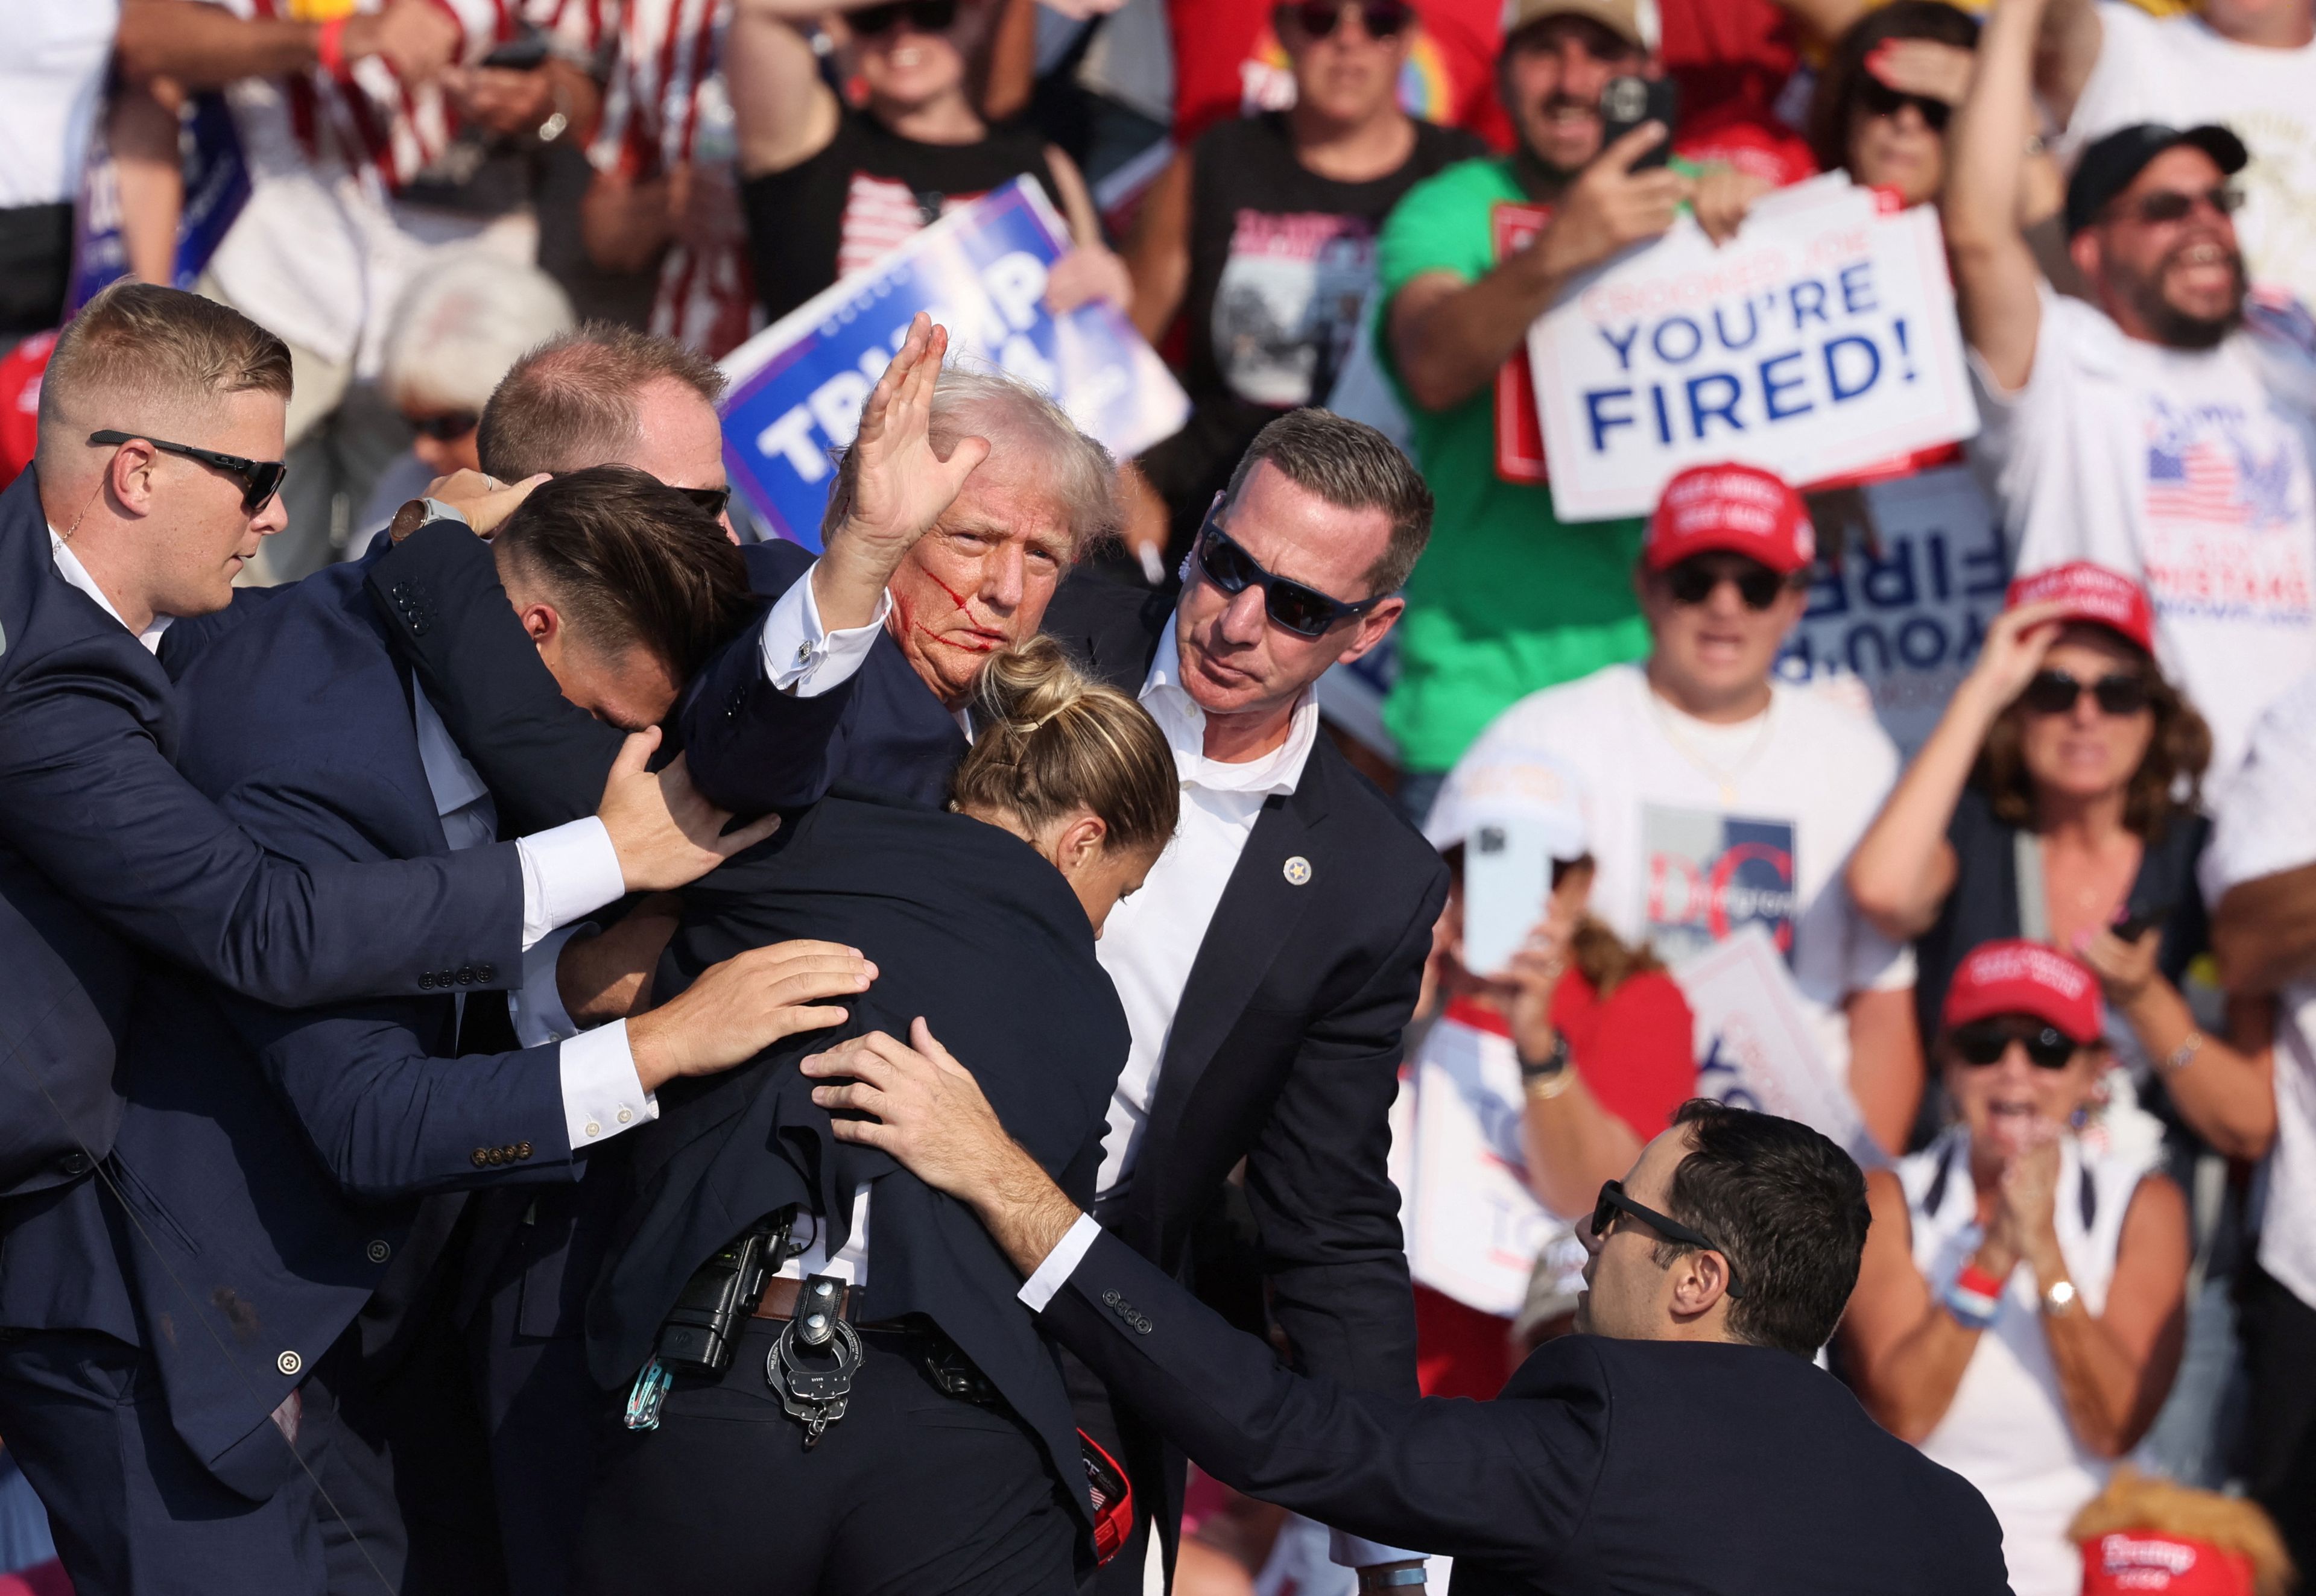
1506 781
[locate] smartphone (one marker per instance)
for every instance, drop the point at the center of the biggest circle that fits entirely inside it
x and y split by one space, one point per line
1628 102
526 52
2132 926
1506 881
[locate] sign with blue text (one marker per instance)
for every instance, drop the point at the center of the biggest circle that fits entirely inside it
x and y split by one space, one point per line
798 385
1819 342
216 187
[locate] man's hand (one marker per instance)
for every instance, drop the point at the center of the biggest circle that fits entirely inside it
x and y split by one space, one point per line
1722 198
608 976
901 487
738 1008
665 833
1611 207
417 38
505 100
932 1117
485 501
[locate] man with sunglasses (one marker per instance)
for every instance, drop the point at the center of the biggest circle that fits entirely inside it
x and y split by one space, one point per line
1683 1440
1723 798
2166 427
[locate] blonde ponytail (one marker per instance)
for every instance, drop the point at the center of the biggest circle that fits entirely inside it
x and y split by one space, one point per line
1048 741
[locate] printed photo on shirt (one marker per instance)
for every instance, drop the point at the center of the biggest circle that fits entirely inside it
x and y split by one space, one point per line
1287 306
1710 874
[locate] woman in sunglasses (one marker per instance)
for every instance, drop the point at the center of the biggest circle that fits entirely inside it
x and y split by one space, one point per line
2019 1313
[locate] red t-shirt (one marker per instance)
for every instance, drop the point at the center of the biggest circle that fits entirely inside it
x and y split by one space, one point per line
1636 1053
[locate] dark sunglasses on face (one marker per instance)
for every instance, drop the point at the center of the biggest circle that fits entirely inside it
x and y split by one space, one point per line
926 16
446 427
1305 611
1383 19
2166 206
1613 1201
2055 693
1984 1042
260 479
710 500
1694 580
1880 99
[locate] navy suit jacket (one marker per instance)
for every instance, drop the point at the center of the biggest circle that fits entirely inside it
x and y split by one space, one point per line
271 1160
105 849
1627 1465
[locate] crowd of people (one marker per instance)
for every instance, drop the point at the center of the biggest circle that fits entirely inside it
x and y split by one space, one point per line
1255 921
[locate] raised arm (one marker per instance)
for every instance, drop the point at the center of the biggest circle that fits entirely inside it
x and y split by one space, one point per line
1158 254
2066 54
782 113
200 46
1997 287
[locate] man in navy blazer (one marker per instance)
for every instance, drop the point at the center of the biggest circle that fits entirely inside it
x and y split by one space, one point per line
280 1171
1683 1440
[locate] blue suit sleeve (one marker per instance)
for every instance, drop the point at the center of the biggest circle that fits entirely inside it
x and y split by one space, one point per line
753 749
88 797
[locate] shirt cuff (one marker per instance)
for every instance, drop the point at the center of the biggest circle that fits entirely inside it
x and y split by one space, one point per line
804 659
602 1096
1060 1263
1350 1551
536 1009
568 871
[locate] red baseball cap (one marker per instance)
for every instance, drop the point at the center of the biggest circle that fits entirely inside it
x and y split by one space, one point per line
1742 509
2137 1562
2092 593
2016 977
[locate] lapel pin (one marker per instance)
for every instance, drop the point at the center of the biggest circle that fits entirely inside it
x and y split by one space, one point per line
1299 871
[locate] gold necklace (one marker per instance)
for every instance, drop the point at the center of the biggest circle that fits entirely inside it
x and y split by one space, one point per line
1726 778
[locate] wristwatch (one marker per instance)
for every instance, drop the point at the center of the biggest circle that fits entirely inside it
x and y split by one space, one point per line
416 513
2059 1299
1546 1078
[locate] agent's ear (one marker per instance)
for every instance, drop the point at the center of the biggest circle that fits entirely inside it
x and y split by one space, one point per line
1080 842
542 622
128 476
1700 1281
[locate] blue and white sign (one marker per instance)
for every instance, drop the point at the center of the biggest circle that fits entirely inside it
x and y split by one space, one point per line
217 186
798 387
1819 341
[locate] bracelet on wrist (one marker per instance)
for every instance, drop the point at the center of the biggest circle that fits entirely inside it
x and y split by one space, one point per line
1975 1297
1546 1078
330 49
2185 1053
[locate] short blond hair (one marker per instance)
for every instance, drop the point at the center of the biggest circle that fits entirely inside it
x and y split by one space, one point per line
139 354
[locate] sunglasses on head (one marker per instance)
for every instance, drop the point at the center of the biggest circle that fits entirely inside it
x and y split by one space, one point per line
1880 99
926 16
1694 580
2175 205
1305 611
1612 1202
1984 1042
1382 19
2055 693
446 427
260 479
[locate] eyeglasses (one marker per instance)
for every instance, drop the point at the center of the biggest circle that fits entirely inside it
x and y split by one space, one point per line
926 16
1694 580
1612 1201
1984 1042
1305 611
2166 206
1880 99
710 500
2055 693
446 427
1382 19
260 479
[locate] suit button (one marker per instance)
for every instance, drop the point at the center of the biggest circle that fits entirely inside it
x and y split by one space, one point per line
482 1156
486 972
288 1363
467 976
522 1150
73 1163
498 1156
1110 1298
425 981
378 1252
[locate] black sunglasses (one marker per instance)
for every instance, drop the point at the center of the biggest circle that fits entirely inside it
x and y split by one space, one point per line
2173 205
1613 1201
2055 693
926 16
1319 18
260 479
1881 99
710 500
1305 611
1693 580
1984 1042
446 427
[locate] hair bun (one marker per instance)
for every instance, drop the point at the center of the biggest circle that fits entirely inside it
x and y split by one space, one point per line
1029 684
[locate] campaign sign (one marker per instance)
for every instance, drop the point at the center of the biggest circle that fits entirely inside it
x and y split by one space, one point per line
798 387
1821 340
217 186
1711 876
1906 619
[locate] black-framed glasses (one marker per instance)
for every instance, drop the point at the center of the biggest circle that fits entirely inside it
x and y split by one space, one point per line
2055 693
1880 99
1612 1202
1984 1042
710 500
1383 19
2166 206
260 479
926 16
1694 580
1305 611
448 427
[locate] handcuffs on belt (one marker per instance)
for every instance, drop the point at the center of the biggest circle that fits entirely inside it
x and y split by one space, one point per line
813 1393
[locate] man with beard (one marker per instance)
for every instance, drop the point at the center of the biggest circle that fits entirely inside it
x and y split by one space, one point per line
2165 429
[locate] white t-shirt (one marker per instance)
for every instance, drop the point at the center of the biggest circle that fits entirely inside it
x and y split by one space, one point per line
2188 469
51 83
1698 829
2268 824
2178 71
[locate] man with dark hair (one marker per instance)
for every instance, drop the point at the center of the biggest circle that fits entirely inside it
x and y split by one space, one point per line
1683 1440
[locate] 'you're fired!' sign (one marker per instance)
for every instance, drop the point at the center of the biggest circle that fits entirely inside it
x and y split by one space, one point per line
1819 342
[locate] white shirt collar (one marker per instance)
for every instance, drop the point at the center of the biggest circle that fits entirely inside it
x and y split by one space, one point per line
1184 723
69 567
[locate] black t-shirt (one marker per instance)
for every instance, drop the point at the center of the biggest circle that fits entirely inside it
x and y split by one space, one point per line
866 191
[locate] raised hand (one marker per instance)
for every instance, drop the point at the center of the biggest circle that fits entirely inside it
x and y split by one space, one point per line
417 38
738 1008
1610 206
900 484
2013 652
1924 67
485 501
665 833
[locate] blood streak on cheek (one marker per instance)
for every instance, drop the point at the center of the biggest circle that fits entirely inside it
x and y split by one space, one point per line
971 645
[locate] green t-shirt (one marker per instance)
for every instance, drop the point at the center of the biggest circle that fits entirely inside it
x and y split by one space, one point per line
1507 598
